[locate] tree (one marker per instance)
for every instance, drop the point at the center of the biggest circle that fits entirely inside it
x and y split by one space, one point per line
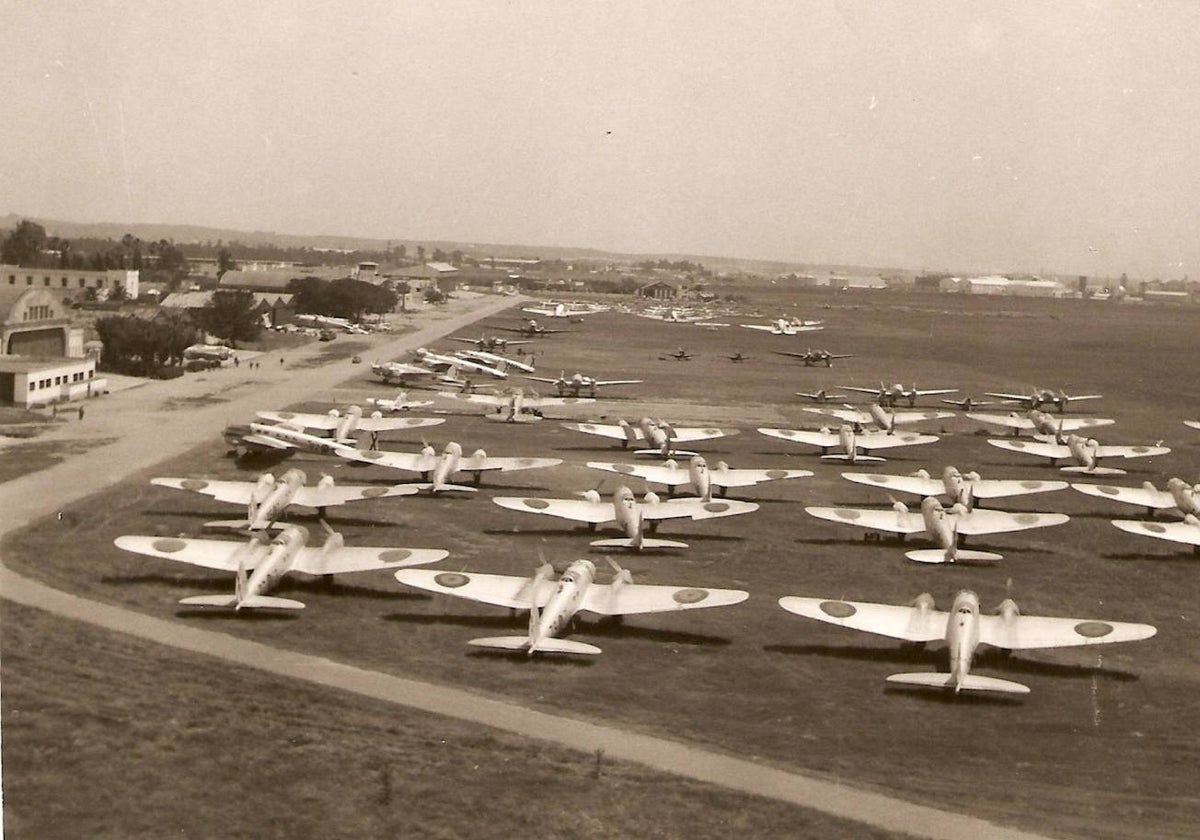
402 289
439 255
421 254
225 262
434 295
24 245
230 315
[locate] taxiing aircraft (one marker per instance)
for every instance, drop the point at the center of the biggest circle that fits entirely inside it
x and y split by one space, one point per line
698 475
532 328
849 441
1039 397
630 515
659 437
1040 423
345 425
1086 453
875 414
498 362
515 407
680 355
553 604
268 498
963 489
816 357
821 396
786 326
400 402
435 468
946 526
577 383
963 629
891 395
260 566
489 343
1179 495
738 357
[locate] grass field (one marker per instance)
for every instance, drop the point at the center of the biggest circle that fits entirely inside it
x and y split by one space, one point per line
1106 744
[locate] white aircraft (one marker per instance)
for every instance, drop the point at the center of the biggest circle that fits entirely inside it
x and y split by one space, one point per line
579 382
1192 424
267 563
287 437
326 321
1186 532
489 343
1039 397
849 441
550 309
681 316
875 414
515 407
532 328
553 604
967 403
1040 423
786 326
659 437
628 513
947 526
964 629
1086 453
889 395
821 396
962 489
698 475
814 357
345 425
497 362
400 371
268 498
1179 495
436 361
435 469
400 402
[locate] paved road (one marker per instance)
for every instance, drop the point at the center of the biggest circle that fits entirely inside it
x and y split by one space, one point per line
139 416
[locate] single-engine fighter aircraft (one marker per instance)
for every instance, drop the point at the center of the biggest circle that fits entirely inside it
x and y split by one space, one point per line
1039 397
738 357
849 441
1086 453
680 355
578 383
890 395
1040 423
435 469
400 402
816 357
658 437
1186 532
346 425
498 362
553 604
947 526
876 415
967 403
962 489
267 563
821 396
515 407
963 629
436 361
697 475
268 498
1179 495
490 342
628 513
786 326
532 328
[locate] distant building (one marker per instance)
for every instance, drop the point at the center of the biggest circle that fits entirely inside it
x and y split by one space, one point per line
439 275
658 291
275 306
33 322
996 284
33 380
71 281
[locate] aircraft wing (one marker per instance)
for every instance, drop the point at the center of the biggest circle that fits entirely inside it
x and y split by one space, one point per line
893 521
999 522
538 402
1033 447
391 424
912 624
885 440
577 510
502 590
917 416
1180 532
902 483
633 598
801 436
1023 632
1008 421
1140 496
1131 451
850 415
996 488
267 441
600 382
482 399
655 473
308 421
314 560
234 492
688 435
601 429
476 463
765 327
411 461
537 310
748 478
929 392
1072 424
224 555
872 391
695 508
1014 397
1192 424
319 497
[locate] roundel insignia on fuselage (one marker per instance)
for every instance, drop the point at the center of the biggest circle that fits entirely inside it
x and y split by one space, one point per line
1093 629
838 609
453 580
536 504
169 544
193 484
690 596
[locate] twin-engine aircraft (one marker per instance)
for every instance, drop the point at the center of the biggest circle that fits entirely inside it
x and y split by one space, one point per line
550 309
821 396
947 526
267 499
890 395
501 363
578 383
260 566
697 475
849 441
1038 397
436 469
289 435
436 361
962 489
628 513
345 425
515 407
886 420
490 342
1086 453
553 604
532 328
658 437
963 629
400 402
816 357
786 326
1040 423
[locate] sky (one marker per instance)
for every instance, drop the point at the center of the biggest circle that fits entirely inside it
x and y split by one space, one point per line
963 136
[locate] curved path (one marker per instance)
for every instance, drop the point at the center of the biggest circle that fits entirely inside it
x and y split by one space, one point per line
139 416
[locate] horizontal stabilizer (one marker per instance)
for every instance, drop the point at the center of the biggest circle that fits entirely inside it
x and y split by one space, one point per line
675 453
209 601
461 488
647 542
856 458
548 645
971 682
230 524
1094 470
268 602
938 555
506 418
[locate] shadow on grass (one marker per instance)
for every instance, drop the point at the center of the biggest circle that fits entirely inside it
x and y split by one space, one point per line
230 614
945 696
1184 556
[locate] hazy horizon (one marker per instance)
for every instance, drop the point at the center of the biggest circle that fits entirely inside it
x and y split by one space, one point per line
1000 137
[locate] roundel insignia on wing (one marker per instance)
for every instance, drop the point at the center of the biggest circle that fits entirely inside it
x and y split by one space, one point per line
880 479
716 507
623 468
1093 629
712 431
525 462
776 473
586 427
374 492
193 484
453 580
168 544
838 609
787 433
371 454
536 504
286 415
1027 518
1106 490
690 596
845 513
1031 485
395 555
1140 449
1154 527
1016 444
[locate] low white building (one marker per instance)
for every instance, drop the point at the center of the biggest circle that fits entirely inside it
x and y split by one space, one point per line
71 281
30 381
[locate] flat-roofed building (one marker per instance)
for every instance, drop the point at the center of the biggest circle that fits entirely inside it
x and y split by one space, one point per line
31 381
71 281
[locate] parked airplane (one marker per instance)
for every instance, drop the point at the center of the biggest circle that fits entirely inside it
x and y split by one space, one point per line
268 498
680 355
392 372
400 402
550 309
821 396
345 425
1039 397
287 437
816 357
489 343
553 604
967 403
1179 495
326 321
580 382
1086 453
675 316
515 407
628 513
1192 424
786 326
885 420
963 629
962 489
659 437
849 441
698 475
946 526
1186 532
1040 423
738 357
887 395
436 361
532 328
498 362
435 469
260 566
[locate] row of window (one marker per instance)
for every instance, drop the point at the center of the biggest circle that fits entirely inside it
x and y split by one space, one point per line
61 380
12 281
38 313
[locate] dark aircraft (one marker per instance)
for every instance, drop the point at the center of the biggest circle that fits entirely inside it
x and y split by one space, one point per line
816 357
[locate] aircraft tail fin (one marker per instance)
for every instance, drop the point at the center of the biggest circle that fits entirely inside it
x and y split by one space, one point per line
971 682
646 542
547 645
962 555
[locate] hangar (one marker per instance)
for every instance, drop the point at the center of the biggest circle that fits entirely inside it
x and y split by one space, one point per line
33 322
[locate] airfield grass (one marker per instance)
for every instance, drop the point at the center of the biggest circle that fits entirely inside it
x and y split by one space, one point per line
1105 746
28 457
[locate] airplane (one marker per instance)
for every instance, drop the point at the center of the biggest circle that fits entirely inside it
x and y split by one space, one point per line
1179 495
268 498
401 402
436 361
326 321
287 437
515 407
963 489
786 326
659 436
738 357
964 629
885 420
679 355
850 441
579 382
553 604
489 343
628 513
698 475
967 403
816 357
891 395
550 309
532 328
1192 424
392 372
947 526
1086 453
1040 423
1038 397
499 362
1186 532
435 469
680 316
345 425
821 396
259 566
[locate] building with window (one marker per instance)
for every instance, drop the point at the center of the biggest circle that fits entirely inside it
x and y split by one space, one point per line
31 381
70 282
33 322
